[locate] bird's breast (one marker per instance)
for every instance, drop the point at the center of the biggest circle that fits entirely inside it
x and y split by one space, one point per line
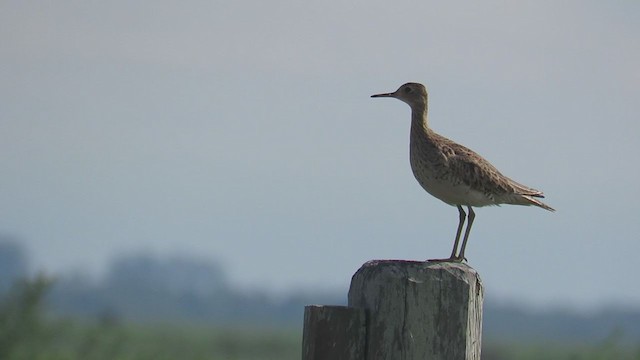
432 173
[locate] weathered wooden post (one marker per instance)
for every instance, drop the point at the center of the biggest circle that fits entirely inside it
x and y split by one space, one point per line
333 332
414 310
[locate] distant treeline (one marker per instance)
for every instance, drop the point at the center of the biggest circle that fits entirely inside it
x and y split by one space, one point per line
145 288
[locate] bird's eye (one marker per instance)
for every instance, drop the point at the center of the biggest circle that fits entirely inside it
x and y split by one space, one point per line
407 90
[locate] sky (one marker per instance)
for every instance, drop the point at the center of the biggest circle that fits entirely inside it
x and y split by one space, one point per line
244 132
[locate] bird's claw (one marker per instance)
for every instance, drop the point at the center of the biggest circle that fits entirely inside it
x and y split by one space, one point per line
457 259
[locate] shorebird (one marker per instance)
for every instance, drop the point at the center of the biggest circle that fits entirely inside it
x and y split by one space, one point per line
453 173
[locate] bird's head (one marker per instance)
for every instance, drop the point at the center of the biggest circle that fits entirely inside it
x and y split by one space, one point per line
414 94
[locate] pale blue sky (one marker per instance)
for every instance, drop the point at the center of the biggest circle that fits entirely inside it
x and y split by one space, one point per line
244 132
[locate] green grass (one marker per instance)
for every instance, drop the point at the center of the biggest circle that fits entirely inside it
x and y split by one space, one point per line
27 333
70 340
606 350
165 341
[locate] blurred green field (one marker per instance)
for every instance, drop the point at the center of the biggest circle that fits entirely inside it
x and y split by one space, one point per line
74 340
80 340
102 340
27 333
545 351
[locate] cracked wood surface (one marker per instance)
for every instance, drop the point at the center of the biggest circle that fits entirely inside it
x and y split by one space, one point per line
419 310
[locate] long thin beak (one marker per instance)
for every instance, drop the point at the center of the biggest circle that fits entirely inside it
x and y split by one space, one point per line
383 95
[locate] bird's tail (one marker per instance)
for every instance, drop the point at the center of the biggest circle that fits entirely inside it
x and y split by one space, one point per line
530 200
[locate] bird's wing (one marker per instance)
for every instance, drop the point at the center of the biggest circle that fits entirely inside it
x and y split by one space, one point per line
479 174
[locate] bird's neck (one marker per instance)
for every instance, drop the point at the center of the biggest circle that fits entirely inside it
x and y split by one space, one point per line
419 118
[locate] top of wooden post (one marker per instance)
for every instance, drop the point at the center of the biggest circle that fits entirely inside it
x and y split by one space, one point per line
453 267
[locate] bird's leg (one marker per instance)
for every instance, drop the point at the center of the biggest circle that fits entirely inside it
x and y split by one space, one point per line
453 256
460 223
472 216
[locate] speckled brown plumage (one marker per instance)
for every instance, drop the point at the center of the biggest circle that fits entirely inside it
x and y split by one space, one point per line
452 172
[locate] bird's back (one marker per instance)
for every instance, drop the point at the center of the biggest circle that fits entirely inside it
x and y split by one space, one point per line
457 175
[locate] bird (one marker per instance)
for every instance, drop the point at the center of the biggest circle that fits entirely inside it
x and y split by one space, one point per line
453 173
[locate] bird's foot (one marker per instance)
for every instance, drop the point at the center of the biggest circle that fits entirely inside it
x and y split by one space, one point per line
458 259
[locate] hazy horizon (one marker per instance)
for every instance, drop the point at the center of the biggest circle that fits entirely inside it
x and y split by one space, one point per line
243 132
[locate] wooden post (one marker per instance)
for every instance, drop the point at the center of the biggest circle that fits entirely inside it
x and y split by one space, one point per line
419 310
400 310
333 332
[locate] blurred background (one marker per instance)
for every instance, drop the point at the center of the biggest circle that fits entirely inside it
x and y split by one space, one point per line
215 166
